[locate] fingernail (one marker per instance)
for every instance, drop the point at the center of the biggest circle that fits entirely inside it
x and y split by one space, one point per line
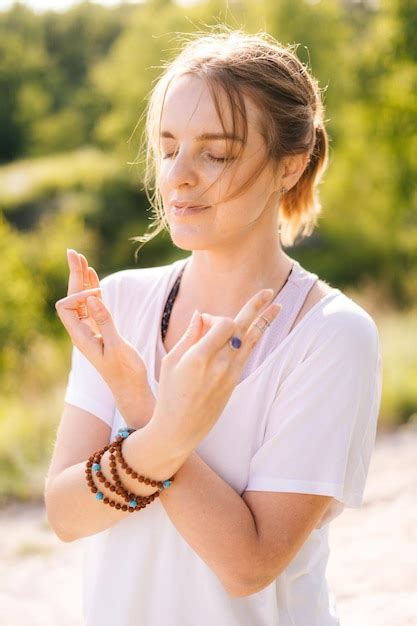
268 294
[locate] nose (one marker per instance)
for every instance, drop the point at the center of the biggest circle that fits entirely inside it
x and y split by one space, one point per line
182 171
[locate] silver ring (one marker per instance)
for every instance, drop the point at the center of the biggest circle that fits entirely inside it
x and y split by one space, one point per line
262 330
268 323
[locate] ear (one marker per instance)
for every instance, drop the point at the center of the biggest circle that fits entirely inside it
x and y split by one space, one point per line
292 168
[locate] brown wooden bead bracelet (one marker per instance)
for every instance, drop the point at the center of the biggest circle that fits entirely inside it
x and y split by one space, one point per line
134 502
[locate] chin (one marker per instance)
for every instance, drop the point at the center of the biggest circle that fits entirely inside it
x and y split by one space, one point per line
189 239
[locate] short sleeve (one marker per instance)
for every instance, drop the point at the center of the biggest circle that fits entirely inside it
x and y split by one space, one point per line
86 388
321 427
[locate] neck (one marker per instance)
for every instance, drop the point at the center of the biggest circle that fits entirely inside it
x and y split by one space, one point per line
220 284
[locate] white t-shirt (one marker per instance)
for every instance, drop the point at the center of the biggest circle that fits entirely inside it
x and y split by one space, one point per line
304 421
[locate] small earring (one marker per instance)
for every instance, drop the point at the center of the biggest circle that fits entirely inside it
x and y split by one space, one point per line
283 191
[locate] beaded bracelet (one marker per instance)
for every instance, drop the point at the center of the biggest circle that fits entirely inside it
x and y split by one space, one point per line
135 502
116 447
131 498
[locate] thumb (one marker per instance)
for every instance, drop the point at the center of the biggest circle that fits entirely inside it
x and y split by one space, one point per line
102 316
189 338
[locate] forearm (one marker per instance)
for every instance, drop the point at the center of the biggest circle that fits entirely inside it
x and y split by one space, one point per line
206 511
213 519
73 510
216 522
126 402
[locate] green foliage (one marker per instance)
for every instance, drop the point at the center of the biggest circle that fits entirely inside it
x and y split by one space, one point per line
29 411
48 102
21 301
32 180
84 200
125 77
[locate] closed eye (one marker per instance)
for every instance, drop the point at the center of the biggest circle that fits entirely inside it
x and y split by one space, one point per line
209 156
219 159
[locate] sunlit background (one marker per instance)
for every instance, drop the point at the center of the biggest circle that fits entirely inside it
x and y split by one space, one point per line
73 86
39 6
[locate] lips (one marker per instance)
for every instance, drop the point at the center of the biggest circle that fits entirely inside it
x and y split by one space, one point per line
185 208
188 205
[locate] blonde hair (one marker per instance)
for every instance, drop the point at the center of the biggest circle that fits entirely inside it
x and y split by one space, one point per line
291 108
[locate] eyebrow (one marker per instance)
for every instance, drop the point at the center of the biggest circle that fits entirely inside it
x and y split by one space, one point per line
207 136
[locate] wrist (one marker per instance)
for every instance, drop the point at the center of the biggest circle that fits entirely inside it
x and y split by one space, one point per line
181 443
179 447
135 405
159 453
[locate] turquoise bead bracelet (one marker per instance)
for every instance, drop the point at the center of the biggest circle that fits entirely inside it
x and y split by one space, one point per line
133 502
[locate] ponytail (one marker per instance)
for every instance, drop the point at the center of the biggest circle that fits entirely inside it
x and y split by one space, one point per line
300 207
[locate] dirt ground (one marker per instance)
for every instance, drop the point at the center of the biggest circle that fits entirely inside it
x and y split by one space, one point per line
372 569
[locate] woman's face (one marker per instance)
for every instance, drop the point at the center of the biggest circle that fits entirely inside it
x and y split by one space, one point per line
194 150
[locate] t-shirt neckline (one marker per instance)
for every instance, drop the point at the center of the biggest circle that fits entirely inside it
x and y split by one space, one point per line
176 267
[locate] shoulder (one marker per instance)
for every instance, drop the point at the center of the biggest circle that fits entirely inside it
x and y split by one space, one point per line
140 277
138 281
130 290
342 325
337 344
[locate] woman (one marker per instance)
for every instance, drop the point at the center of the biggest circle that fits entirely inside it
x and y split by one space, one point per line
248 380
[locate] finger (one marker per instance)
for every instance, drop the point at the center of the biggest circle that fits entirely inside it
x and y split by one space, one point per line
103 319
93 276
75 281
73 302
256 330
217 336
246 315
252 309
81 334
189 338
66 308
94 282
208 321
84 267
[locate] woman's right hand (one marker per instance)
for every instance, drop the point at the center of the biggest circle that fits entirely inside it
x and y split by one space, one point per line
199 374
94 333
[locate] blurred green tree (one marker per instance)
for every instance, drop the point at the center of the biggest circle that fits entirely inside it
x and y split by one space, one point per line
48 103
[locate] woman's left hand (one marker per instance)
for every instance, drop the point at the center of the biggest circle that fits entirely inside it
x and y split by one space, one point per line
92 330
200 373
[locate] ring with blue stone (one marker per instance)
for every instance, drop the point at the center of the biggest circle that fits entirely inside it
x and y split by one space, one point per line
235 343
